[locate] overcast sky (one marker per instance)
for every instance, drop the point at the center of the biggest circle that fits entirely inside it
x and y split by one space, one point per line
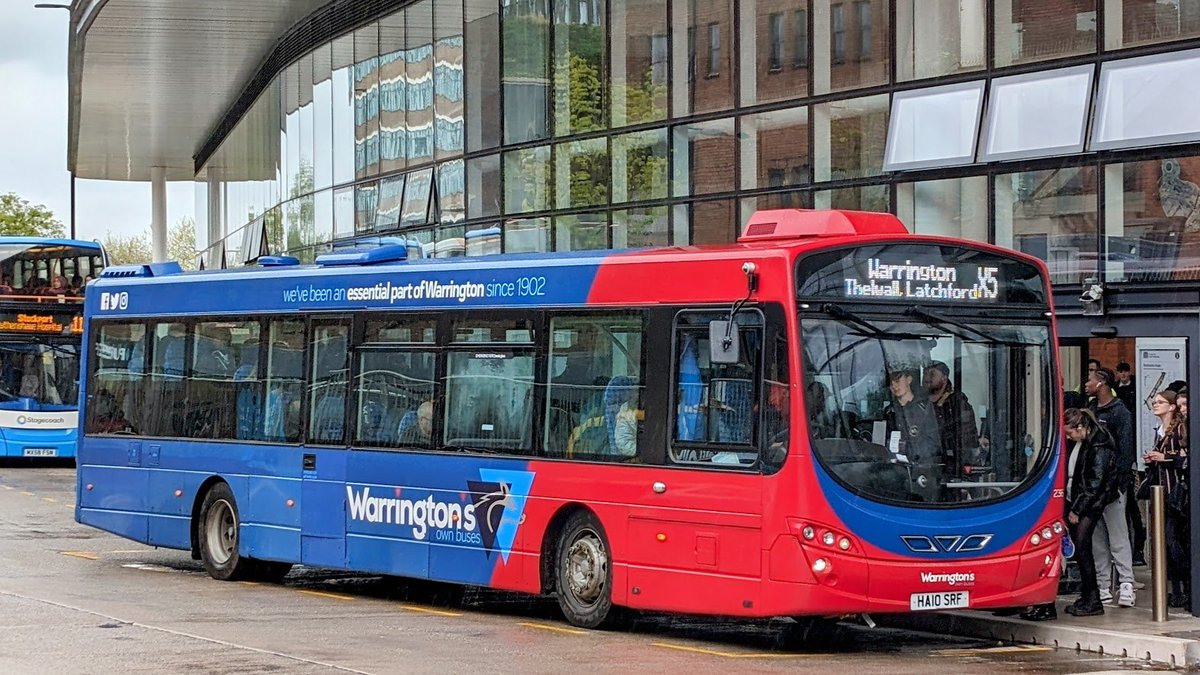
33 132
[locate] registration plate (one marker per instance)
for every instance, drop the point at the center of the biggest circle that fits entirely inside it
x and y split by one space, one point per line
41 452
920 602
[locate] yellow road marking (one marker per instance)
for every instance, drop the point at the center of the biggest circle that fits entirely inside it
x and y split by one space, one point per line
732 655
1012 649
325 594
427 610
249 583
6 487
50 499
557 629
82 554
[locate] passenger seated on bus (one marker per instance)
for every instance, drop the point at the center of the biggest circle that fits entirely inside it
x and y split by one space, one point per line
6 285
621 415
107 417
76 285
416 428
823 422
31 385
59 286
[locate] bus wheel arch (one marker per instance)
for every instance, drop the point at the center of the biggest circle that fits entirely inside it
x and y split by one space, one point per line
582 570
197 504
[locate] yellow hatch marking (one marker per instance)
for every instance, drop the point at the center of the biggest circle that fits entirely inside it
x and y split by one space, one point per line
557 629
427 610
82 554
324 594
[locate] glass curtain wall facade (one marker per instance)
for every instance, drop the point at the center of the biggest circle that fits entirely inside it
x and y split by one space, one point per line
1064 128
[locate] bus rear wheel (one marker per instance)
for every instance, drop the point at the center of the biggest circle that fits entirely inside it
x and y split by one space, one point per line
583 572
219 534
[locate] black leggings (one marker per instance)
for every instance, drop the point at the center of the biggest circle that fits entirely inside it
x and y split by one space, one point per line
1081 533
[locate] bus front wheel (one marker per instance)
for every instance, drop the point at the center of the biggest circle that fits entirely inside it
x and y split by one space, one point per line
218 534
584 572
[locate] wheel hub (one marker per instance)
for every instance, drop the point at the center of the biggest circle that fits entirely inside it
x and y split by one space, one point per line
222 532
587 568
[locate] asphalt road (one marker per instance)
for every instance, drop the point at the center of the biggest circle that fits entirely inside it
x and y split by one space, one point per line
77 600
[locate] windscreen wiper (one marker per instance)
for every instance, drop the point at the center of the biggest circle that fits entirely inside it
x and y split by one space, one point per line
933 318
842 314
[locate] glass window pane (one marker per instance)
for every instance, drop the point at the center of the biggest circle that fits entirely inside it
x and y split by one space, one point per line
1148 101
117 378
366 198
776 33
448 78
322 117
526 70
343 213
489 401
165 404
849 138
211 390
451 193
366 101
322 231
304 80
861 198
581 173
515 331
703 34
794 199
344 109
954 207
419 68
1137 22
639 166
580 96
775 149
416 198
330 374
527 235
1046 29
406 329
939 37
393 93
712 222
285 381
299 218
934 126
394 398
483 74
594 387
1037 114
391 199
527 180
851 44
639 61
704 157
581 232
1051 214
1154 234
483 186
648 226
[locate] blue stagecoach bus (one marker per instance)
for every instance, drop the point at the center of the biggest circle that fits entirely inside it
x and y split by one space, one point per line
42 284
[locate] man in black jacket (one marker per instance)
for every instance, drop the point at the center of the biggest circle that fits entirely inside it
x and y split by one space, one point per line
956 418
1111 540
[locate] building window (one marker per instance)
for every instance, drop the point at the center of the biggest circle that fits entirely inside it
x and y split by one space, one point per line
658 59
864 30
801 44
776 56
838 22
714 49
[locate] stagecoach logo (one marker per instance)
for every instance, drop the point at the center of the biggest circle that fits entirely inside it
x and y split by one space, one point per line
951 578
110 301
487 515
23 420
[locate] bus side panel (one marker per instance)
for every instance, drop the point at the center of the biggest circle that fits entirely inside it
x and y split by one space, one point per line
270 527
110 498
169 499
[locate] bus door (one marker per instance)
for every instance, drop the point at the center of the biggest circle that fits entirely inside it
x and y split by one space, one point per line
323 492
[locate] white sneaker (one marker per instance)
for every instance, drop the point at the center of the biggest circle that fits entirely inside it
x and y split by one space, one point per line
1127 597
1106 596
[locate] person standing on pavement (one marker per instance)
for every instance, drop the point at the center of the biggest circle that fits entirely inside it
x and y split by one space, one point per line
1127 393
1111 543
1092 484
1166 466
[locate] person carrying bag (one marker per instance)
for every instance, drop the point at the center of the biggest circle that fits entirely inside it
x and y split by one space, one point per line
1166 465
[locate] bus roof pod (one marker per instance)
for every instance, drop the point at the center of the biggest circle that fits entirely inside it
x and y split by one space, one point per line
365 256
143 270
779 224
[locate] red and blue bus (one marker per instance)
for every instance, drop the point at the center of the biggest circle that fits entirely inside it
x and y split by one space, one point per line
42 283
753 430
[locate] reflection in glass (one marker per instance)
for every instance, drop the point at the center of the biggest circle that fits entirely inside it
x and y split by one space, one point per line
451 192
291 125
712 222
849 137
344 98
1047 29
1037 114
416 198
704 157
705 27
934 126
581 175
419 68
299 218
774 148
526 69
304 79
792 199
954 207
365 197
389 203
1137 22
527 235
639 166
580 96
448 79
343 213
322 117
366 101
939 37
483 74
639 61
1148 100
648 226
483 182
776 33
527 180
859 198
393 94
322 217
580 232
1051 214
1155 234
850 44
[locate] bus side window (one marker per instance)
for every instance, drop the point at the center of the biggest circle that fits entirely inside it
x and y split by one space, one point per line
165 407
285 381
715 412
394 390
489 386
327 391
116 379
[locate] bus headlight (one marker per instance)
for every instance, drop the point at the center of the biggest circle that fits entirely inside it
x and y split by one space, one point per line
1046 534
1058 527
844 543
1035 539
828 538
808 532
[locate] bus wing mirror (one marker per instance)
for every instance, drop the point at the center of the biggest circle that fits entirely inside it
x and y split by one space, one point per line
723 342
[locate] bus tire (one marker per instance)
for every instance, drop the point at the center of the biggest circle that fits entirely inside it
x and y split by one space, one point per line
218 535
583 572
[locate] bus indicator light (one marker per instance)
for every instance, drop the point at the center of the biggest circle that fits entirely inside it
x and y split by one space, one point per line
290 503
178 493
661 537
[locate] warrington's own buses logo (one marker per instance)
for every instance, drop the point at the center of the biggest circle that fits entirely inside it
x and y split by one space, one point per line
110 301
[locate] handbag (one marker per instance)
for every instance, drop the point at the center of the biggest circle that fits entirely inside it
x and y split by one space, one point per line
1179 499
1143 488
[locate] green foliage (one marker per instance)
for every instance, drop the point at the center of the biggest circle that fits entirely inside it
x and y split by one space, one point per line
20 218
181 246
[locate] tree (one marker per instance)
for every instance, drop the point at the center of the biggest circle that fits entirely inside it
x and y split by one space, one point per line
20 218
181 246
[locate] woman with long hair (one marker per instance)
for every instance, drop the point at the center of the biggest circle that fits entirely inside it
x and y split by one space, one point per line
1093 481
1166 466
